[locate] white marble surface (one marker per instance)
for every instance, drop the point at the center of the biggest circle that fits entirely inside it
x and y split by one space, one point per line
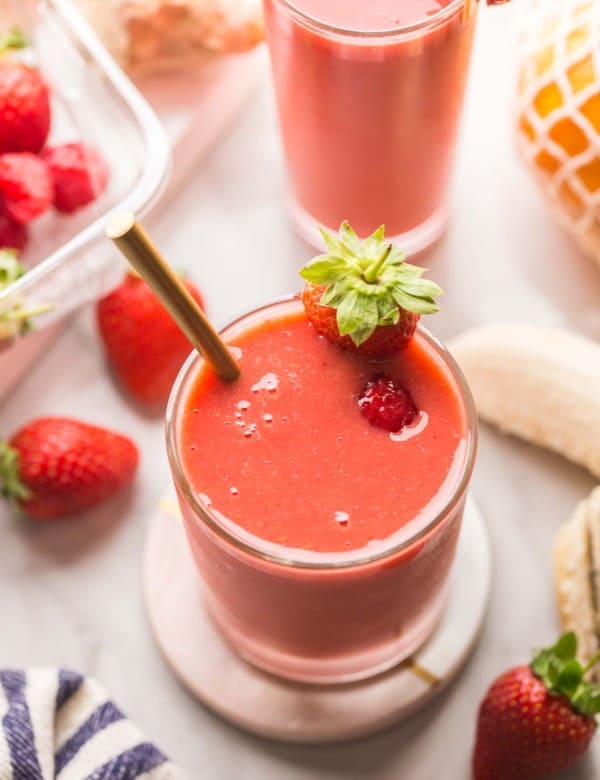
71 594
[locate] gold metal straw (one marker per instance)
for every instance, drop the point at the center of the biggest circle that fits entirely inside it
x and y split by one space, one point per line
137 246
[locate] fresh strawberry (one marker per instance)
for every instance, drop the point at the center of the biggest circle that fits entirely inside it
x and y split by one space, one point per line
80 175
537 720
54 467
13 235
363 296
25 186
25 113
143 343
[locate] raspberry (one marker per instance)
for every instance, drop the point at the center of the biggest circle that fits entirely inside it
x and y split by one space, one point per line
80 175
25 186
386 404
12 234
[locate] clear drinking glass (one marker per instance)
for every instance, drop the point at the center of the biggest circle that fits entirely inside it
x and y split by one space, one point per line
322 617
369 117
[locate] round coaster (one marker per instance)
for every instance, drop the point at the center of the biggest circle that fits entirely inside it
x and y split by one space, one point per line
293 712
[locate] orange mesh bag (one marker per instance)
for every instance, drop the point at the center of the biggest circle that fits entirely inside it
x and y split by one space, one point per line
558 110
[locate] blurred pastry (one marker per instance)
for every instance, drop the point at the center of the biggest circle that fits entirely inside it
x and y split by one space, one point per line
577 576
159 34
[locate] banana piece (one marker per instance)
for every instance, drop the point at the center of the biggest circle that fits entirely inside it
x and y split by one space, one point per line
541 384
577 576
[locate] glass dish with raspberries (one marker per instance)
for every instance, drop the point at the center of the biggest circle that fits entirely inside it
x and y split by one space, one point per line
77 141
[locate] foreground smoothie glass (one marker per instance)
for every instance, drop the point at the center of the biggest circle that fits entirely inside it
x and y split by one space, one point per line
314 616
369 97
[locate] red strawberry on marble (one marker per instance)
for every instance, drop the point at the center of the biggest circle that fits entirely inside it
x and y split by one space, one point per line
56 466
144 345
537 720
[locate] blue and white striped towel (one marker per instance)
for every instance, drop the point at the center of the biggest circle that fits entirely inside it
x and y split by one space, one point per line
57 724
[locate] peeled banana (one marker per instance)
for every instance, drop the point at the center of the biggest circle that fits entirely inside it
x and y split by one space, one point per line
577 577
539 383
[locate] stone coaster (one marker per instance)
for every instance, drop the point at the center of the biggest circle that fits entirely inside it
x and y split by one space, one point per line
294 712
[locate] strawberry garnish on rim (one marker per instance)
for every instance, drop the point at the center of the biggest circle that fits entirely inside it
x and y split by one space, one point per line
539 719
364 296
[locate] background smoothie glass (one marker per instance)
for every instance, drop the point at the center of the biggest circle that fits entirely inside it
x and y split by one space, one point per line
298 586
369 96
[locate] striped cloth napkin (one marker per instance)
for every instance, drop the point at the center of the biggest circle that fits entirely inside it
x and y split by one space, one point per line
58 724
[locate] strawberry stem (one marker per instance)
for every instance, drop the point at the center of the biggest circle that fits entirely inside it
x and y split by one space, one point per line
18 315
372 272
18 320
11 485
14 39
563 675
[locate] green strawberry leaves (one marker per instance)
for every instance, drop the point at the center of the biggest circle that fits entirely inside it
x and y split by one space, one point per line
566 647
326 269
368 282
563 674
10 267
13 40
358 316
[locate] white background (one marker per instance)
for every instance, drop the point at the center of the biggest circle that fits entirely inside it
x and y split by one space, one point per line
70 595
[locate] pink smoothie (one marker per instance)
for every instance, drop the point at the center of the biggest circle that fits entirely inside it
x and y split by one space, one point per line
283 463
369 119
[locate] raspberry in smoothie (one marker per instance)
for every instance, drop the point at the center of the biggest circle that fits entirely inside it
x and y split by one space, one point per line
285 454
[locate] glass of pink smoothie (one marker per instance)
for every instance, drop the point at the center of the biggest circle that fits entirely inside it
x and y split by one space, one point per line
369 97
324 544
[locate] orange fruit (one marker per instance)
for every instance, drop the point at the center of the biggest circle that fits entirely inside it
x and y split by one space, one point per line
558 110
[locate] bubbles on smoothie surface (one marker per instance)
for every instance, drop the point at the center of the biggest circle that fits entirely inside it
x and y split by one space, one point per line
341 518
206 500
269 382
249 419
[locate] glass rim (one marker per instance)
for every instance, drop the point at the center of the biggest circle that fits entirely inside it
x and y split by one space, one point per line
430 21
203 514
